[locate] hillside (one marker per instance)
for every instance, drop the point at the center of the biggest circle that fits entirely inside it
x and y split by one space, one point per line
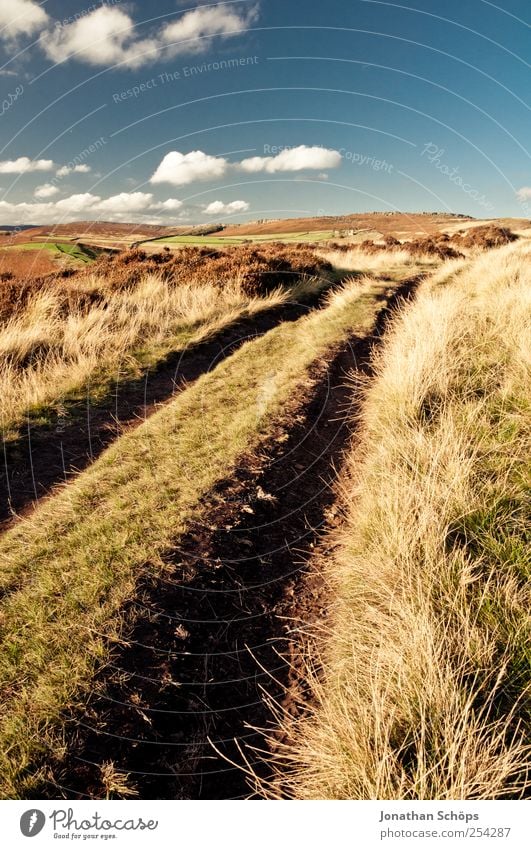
385 223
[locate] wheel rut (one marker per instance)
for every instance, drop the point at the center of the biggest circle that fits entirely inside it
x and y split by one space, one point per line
211 634
45 457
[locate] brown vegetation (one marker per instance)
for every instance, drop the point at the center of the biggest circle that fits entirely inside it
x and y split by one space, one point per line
488 236
257 270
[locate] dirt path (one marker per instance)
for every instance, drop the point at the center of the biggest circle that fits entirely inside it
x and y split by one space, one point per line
47 456
210 634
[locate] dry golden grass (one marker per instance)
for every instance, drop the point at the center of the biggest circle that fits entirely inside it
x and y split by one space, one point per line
49 351
396 265
421 680
68 569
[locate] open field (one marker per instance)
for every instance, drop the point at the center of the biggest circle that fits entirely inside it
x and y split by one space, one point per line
279 486
63 246
215 240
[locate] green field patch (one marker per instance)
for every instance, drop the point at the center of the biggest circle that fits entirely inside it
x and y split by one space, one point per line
74 251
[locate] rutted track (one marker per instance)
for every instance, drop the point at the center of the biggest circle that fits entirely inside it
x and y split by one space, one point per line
211 632
46 456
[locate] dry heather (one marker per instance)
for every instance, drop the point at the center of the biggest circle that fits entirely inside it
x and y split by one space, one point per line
486 237
439 245
423 691
60 337
256 270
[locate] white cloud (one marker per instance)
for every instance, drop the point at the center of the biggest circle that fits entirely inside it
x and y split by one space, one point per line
109 36
134 206
65 170
45 191
103 37
24 165
293 159
193 30
217 207
21 17
524 193
180 169
169 205
77 203
126 202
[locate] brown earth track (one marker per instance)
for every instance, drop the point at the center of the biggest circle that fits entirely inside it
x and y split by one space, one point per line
213 630
47 456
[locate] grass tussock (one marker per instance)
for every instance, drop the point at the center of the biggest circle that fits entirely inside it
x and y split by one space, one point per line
65 341
67 571
423 688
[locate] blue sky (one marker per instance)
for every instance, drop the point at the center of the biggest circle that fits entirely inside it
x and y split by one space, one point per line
172 112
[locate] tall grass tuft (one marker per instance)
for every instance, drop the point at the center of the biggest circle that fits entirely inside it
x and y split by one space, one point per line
421 677
49 349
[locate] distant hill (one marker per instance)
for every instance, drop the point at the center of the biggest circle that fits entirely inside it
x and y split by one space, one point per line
10 228
383 222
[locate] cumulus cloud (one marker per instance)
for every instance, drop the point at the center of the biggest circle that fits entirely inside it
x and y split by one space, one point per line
524 193
169 205
109 36
293 159
181 169
77 203
65 170
103 37
133 206
45 191
21 17
217 207
24 165
125 203
195 28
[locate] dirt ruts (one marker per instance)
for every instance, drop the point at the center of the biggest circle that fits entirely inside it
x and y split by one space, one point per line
212 635
45 456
